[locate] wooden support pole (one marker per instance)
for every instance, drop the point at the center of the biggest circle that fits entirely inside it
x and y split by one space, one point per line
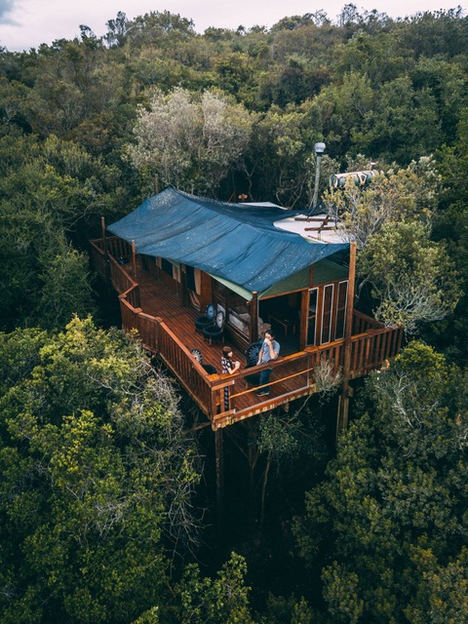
183 286
134 260
219 458
156 183
103 234
254 317
343 404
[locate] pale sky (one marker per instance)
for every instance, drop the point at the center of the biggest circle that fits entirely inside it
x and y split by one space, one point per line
27 23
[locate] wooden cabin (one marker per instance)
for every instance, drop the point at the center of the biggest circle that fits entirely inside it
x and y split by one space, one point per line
177 253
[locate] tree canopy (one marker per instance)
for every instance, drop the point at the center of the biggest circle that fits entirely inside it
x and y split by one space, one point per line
107 511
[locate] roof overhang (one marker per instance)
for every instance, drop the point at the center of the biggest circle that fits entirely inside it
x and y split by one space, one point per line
234 242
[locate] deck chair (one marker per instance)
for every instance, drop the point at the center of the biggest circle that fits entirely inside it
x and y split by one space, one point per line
251 357
196 354
216 330
207 319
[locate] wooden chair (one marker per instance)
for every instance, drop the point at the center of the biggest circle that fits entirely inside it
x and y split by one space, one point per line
196 354
216 330
251 356
207 319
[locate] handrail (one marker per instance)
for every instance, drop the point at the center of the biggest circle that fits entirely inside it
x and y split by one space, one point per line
189 372
362 322
196 365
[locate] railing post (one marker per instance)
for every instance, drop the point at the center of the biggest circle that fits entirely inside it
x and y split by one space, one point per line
134 260
103 233
254 317
183 286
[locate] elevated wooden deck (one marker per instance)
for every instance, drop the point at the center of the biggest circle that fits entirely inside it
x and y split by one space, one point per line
167 329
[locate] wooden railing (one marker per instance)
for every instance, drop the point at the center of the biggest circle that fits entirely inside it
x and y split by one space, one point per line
295 375
99 257
362 323
179 359
371 349
124 284
229 398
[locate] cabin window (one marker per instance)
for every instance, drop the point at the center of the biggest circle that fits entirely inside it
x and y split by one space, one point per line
327 309
171 269
166 266
190 277
312 316
341 309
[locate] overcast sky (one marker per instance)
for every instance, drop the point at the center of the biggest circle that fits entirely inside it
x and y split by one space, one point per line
27 23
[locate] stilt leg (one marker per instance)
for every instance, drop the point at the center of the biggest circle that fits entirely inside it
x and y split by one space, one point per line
342 414
219 456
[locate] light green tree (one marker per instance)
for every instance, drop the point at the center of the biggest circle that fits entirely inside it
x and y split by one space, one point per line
191 142
412 278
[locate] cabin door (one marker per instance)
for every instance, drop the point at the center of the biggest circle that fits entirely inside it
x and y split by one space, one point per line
341 309
312 317
327 313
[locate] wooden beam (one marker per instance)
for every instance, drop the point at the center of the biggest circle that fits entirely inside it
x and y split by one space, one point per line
206 290
219 459
321 228
350 293
134 260
103 234
254 317
197 428
183 292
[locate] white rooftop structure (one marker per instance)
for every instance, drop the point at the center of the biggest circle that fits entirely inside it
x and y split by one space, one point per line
316 227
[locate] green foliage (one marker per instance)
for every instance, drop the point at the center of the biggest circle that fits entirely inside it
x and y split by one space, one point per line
394 495
412 277
96 477
223 599
395 196
443 594
47 190
190 141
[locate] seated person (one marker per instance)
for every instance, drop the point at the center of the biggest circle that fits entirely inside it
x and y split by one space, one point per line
228 366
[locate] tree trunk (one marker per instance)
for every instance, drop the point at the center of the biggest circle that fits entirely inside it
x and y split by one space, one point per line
264 487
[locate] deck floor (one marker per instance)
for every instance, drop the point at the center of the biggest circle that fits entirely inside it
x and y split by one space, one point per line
158 299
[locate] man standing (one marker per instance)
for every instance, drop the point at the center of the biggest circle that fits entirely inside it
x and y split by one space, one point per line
269 351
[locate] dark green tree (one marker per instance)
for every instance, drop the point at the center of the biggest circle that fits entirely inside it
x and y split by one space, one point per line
387 524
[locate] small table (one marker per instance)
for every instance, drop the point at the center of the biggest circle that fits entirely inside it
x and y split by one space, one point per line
284 323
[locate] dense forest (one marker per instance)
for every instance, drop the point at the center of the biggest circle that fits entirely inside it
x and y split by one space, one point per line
107 510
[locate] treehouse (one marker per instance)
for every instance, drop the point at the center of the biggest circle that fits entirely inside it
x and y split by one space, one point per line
254 269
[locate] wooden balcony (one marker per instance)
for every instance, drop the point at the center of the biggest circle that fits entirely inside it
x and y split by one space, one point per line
166 328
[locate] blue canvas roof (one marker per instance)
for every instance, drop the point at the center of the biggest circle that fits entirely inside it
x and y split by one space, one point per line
234 241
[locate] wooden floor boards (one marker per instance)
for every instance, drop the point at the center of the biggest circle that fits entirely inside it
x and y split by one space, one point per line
159 299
